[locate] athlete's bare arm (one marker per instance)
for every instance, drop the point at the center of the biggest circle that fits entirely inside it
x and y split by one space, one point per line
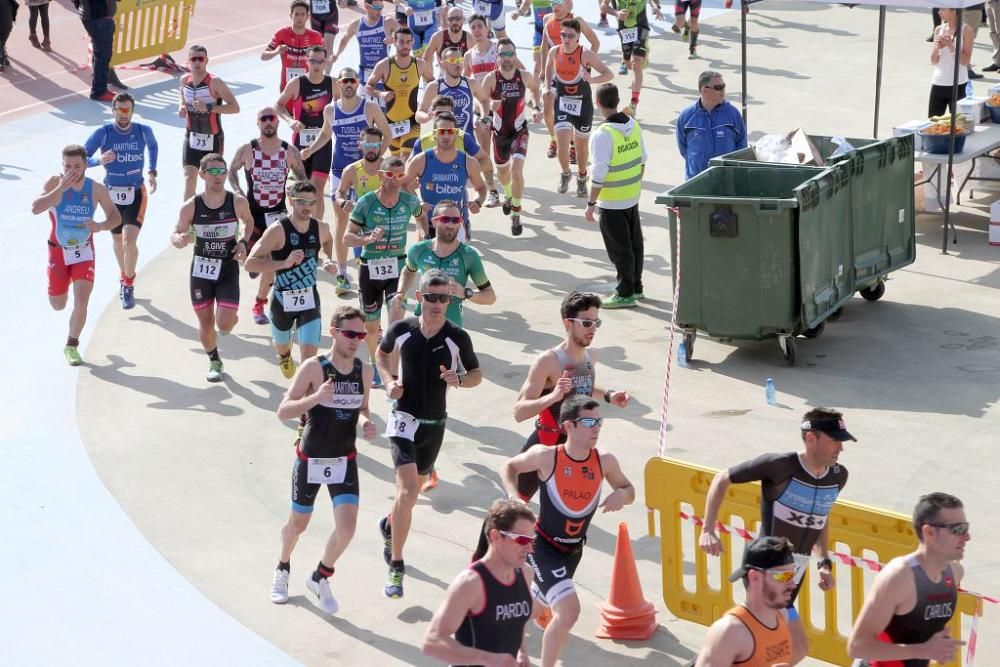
52 193
414 170
476 181
242 207
290 93
588 32
464 596
345 38
305 392
180 236
272 240
239 162
342 196
112 218
544 372
624 492
367 426
550 66
181 108
329 263
295 164
727 642
355 236
430 53
325 133
709 540
375 117
483 96
221 91
537 459
533 86
593 60
376 77
424 112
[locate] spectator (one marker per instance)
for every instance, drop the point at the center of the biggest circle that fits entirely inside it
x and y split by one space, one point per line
6 25
39 8
993 20
98 17
943 59
973 17
710 127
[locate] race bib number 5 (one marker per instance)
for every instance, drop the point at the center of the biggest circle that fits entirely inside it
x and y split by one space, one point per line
201 142
571 105
74 254
207 268
296 300
327 471
383 269
401 425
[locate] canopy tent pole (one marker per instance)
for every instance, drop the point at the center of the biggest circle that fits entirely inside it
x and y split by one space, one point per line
878 66
744 5
951 137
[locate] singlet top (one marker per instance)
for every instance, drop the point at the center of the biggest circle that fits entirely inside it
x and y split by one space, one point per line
770 645
583 376
70 216
130 152
552 27
462 44
303 274
482 64
498 627
636 16
331 428
347 128
363 181
215 229
934 608
369 212
944 70
461 93
424 15
569 68
313 98
511 93
568 499
405 83
371 42
461 265
266 178
294 58
444 180
200 122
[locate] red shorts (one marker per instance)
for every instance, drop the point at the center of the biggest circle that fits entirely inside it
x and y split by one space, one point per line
61 274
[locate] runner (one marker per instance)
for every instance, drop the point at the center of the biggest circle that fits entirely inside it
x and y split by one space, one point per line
292 44
480 61
571 476
344 120
633 31
421 19
328 394
466 143
799 490
379 223
452 35
460 89
432 355
755 633
401 75
551 31
493 10
443 173
301 105
539 9
371 31
265 163
214 216
71 200
290 250
324 18
902 622
567 72
123 145
482 617
507 89
688 30
362 176
202 98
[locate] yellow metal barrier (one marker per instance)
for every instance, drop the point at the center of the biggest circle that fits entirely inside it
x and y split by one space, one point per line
674 486
147 28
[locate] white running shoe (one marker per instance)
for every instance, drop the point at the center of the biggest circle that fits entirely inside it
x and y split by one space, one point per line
321 590
279 587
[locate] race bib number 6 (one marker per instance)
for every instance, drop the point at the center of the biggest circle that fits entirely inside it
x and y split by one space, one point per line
326 471
401 425
571 105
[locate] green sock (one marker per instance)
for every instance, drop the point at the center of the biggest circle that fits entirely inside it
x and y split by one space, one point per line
507 189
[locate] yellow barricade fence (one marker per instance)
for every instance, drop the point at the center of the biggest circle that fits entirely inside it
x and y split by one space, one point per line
678 490
147 28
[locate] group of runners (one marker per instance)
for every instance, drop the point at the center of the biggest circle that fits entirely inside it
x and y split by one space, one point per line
361 131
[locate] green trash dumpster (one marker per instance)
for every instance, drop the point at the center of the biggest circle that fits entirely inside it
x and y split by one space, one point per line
824 145
764 252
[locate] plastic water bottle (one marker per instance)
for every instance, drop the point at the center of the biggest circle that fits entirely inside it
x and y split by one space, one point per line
772 396
682 355
968 88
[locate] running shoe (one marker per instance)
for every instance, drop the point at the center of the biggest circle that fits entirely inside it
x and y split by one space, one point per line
515 224
394 585
581 187
633 109
376 378
279 587
383 528
603 23
553 149
287 366
431 483
128 297
214 373
72 355
572 153
544 618
506 207
693 55
675 29
686 35
615 301
638 296
321 589
258 313
564 183
623 68
343 284
492 199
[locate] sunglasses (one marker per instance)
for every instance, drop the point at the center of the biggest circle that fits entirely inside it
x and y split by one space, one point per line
314 61
437 298
196 59
519 539
506 54
589 422
215 171
454 60
373 145
123 109
568 35
267 118
448 219
587 324
446 131
719 87
350 80
960 528
352 335
390 175
304 201
781 576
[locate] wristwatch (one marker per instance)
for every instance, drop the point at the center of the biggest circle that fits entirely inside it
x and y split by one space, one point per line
591 203
152 172
469 292
824 564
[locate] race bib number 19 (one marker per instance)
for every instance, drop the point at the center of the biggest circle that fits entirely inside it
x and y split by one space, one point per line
401 425
571 105
122 195
326 471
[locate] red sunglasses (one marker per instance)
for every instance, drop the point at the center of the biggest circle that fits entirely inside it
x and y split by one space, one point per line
353 335
520 540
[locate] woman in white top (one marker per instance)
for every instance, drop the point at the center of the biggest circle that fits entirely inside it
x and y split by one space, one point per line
943 59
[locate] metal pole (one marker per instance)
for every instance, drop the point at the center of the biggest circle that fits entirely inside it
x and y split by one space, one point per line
744 4
878 66
951 137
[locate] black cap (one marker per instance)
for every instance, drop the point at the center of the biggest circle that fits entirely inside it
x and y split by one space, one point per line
763 554
835 428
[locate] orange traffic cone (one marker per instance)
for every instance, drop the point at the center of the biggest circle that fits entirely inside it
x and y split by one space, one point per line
626 614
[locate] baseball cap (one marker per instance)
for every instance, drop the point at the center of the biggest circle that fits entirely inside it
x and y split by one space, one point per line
763 554
835 428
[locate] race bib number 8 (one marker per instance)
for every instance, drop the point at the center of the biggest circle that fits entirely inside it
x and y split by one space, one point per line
400 128
571 105
297 300
630 35
74 254
122 195
401 425
326 471
201 142
207 268
383 269
307 136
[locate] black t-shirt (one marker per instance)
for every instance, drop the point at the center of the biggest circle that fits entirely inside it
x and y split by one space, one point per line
420 361
794 503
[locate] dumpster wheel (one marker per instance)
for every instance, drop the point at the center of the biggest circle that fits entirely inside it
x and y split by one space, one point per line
787 345
835 315
689 337
875 292
815 331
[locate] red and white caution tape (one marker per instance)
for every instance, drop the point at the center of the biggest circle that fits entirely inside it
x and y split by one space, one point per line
970 649
662 446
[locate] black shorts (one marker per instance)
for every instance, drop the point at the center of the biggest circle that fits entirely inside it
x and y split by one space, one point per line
554 570
260 216
304 494
638 46
682 6
329 23
374 293
569 100
133 214
193 156
510 146
320 162
307 323
225 291
422 450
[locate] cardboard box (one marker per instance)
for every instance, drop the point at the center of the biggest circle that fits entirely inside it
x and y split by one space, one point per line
912 127
975 111
995 223
805 149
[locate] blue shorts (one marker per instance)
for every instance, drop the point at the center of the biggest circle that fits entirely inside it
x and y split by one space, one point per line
540 14
494 12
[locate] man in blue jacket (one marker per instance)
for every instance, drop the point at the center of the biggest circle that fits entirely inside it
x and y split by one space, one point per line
710 127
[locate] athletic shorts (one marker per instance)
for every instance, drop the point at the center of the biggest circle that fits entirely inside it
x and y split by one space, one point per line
422 450
329 23
636 48
192 156
60 274
494 12
682 6
260 217
540 14
554 570
422 35
320 162
510 147
407 140
374 293
307 323
225 291
133 214
574 107
304 494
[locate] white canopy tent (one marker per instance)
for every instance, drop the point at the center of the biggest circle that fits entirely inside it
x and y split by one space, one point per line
912 4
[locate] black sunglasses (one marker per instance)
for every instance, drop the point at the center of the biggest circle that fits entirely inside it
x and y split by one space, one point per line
437 298
960 528
719 87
